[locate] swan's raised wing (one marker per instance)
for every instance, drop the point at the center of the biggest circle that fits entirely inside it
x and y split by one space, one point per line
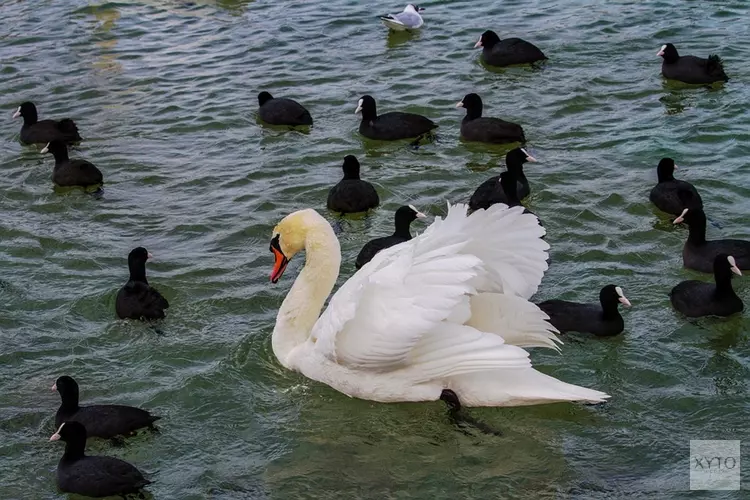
507 241
379 315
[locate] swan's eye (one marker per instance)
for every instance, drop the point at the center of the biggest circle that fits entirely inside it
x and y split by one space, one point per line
275 245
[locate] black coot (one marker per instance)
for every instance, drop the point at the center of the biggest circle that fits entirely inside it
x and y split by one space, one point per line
698 298
352 194
691 69
67 172
602 320
700 254
476 128
34 131
496 52
137 299
404 217
102 421
491 191
671 195
92 476
390 126
282 111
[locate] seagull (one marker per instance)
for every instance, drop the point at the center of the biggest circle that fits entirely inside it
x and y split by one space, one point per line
409 19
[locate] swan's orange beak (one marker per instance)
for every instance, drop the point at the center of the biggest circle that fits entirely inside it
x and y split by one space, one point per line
280 262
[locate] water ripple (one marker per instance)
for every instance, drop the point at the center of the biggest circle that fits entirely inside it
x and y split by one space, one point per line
165 94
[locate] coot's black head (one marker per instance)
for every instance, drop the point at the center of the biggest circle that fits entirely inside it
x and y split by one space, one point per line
74 435
139 254
403 219
612 295
669 53
68 389
488 40
58 149
28 111
137 263
264 97
407 214
351 167
473 105
367 106
517 157
724 266
665 170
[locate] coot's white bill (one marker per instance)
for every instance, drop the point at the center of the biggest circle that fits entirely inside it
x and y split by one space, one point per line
528 156
420 215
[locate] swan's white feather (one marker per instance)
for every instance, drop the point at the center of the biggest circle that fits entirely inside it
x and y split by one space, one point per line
517 320
394 308
402 295
446 309
519 387
450 350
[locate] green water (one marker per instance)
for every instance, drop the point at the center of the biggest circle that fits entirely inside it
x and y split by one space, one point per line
164 93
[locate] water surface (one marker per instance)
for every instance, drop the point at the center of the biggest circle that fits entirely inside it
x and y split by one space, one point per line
164 93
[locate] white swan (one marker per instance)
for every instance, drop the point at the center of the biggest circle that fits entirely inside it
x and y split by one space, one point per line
442 314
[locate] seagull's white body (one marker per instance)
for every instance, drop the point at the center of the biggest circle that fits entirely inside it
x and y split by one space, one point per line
445 310
409 19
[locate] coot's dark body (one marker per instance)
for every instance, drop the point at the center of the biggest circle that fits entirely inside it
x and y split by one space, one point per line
691 69
403 219
352 194
602 320
282 111
72 173
496 52
391 126
699 254
671 195
35 131
491 191
102 421
93 476
697 298
137 299
476 128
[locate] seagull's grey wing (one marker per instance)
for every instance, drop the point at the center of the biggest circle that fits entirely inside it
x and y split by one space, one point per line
409 19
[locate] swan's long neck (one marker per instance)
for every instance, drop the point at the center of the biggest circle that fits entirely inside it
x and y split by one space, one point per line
301 307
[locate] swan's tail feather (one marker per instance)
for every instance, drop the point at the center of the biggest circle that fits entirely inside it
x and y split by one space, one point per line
519 388
518 321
